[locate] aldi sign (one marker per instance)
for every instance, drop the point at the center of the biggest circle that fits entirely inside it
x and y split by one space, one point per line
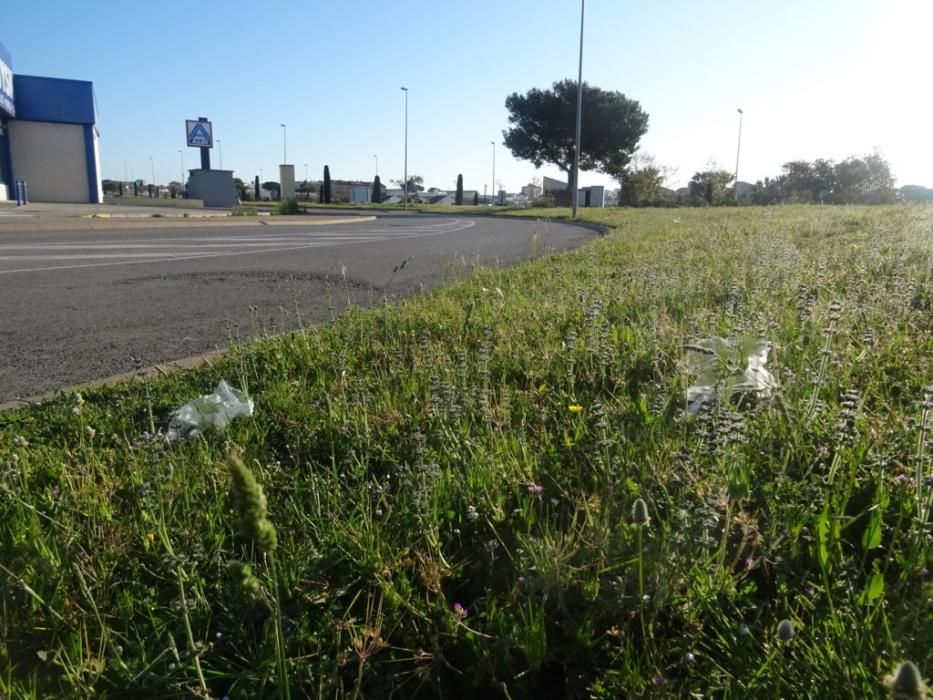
200 134
6 83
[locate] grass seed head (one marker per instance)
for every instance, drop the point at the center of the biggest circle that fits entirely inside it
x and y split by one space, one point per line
640 513
250 504
906 684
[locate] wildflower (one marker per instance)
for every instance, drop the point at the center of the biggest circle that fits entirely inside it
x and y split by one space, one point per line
492 545
535 489
640 513
90 432
785 630
150 536
20 441
472 514
906 684
251 506
575 408
79 400
460 611
76 410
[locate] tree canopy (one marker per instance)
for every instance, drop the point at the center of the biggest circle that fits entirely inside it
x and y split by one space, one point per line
543 127
866 180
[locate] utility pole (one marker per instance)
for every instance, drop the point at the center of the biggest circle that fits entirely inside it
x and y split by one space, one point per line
576 149
405 90
738 150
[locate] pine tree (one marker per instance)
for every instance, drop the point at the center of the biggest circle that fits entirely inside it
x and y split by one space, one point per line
476 199
459 198
326 185
377 191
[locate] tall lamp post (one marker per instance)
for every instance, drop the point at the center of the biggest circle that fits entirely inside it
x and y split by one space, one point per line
306 172
738 150
405 90
493 171
376 156
576 148
220 152
284 145
152 165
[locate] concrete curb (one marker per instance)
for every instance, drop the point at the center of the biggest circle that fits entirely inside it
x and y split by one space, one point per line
144 374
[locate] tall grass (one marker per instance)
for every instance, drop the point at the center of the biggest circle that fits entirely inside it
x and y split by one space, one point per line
493 490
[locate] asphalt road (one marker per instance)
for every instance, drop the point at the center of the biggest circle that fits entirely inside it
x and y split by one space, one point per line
80 305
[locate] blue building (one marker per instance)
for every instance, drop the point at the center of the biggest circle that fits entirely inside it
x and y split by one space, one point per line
48 137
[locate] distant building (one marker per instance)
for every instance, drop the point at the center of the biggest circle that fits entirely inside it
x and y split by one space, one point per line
532 191
48 137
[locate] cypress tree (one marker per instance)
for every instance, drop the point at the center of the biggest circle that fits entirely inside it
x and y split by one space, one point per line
326 185
377 191
459 198
476 199
256 192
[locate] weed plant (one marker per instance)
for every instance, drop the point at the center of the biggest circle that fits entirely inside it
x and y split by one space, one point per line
493 490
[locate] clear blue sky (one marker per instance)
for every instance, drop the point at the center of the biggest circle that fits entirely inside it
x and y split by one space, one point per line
816 78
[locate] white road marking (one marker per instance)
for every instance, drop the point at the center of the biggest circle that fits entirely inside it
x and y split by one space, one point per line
305 242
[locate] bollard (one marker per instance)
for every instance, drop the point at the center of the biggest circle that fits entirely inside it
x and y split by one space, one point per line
25 193
18 187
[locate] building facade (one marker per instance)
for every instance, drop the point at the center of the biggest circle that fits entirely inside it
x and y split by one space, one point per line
48 137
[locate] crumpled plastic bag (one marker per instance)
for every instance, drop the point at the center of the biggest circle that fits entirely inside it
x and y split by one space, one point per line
209 411
717 366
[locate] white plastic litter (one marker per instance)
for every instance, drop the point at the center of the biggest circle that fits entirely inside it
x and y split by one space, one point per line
728 367
209 411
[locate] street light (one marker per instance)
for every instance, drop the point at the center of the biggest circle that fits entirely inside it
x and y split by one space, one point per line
220 149
738 150
152 165
405 90
493 171
576 148
377 164
306 172
284 150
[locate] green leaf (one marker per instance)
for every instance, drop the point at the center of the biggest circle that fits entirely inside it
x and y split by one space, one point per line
873 590
871 538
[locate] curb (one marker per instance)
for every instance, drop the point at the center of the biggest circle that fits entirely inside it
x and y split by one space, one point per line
163 370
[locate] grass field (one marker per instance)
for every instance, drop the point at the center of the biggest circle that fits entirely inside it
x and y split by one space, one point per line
493 490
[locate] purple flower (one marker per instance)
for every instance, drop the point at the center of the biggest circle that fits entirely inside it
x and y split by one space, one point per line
492 545
460 611
809 591
535 489
520 581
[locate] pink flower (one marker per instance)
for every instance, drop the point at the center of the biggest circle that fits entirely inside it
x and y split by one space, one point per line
460 611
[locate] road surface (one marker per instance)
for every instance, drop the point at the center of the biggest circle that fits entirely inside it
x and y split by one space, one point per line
80 305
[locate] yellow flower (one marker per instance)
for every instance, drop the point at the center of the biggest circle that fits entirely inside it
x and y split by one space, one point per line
150 536
575 408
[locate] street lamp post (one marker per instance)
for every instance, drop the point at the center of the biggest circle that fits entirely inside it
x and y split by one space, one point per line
493 171
576 148
220 149
738 150
306 172
284 145
405 90
152 165
377 164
